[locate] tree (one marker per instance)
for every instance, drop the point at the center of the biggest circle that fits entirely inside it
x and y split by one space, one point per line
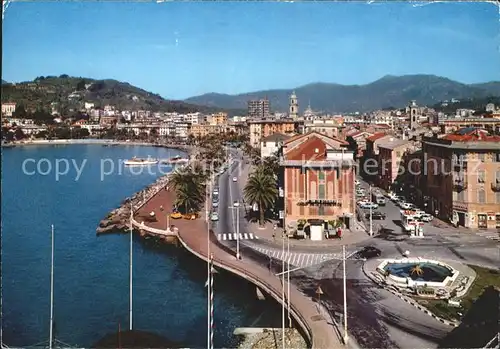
189 190
261 189
63 76
19 134
20 112
80 86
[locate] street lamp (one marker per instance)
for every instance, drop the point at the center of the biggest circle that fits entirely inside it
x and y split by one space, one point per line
371 212
236 205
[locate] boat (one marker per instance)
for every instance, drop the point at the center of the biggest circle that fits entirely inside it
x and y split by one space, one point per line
140 162
175 160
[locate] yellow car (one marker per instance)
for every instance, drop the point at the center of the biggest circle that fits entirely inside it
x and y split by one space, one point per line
176 215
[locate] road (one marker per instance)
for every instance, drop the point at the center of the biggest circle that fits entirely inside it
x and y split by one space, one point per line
376 318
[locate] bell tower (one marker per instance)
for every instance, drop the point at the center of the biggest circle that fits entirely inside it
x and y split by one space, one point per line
294 106
414 117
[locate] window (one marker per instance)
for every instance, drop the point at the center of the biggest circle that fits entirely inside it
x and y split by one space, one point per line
481 196
481 157
321 175
496 157
480 176
461 196
321 210
497 199
321 191
497 177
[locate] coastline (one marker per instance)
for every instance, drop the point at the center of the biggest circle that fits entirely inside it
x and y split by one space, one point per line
186 148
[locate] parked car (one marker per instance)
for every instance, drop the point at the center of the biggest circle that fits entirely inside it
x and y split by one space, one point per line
215 204
368 252
377 215
214 217
426 217
405 205
357 182
362 202
235 179
371 205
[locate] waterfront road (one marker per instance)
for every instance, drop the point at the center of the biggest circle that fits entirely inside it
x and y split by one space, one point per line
377 318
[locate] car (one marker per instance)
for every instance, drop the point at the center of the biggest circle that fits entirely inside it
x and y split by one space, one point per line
216 191
419 213
214 217
357 182
371 205
377 215
405 205
368 252
215 204
426 218
362 202
235 179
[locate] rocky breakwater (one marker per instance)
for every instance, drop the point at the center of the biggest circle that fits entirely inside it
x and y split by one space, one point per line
118 220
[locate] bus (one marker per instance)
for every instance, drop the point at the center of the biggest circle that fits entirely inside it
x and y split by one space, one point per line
409 220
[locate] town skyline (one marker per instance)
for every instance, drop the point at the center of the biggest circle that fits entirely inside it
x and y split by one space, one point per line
243 61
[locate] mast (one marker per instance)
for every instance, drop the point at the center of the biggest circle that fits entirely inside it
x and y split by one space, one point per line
130 280
51 333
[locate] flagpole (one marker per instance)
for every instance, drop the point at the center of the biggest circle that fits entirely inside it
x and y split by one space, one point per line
130 280
209 276
51 331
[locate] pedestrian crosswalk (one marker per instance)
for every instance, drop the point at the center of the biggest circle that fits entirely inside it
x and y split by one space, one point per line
302 260
233 236
492 235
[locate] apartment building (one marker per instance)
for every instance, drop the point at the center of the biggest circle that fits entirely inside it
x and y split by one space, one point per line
271 145
391 151
316 182
218 119
262 128
199 131
258 109
454 124
8 109
369 160
465 186
330 127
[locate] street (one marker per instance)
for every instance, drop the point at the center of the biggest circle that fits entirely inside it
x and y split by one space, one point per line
376 317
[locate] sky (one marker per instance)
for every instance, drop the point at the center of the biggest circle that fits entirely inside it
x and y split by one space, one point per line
184 49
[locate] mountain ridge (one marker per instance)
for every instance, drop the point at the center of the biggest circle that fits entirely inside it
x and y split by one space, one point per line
388 91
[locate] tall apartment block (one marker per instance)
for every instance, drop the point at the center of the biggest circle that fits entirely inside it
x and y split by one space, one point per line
258 109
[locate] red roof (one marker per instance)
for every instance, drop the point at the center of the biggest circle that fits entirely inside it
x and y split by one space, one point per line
471 134
376 136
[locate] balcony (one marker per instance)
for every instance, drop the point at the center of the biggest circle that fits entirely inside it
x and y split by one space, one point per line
495 186
320 202
459 185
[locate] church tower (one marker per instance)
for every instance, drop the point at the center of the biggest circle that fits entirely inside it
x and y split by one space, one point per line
294 106
414 117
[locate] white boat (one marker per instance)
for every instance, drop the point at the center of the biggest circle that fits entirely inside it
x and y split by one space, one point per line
140 162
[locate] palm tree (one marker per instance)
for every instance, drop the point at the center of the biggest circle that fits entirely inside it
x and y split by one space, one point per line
417 270
189 189
261 189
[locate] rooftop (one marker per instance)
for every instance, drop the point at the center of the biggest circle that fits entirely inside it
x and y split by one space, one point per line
393 143
275 137
376 136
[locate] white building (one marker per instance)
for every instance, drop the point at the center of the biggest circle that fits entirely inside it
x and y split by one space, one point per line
32 129
8 109
490 107
271 144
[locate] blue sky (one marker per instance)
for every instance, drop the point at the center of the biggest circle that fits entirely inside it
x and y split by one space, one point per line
182 49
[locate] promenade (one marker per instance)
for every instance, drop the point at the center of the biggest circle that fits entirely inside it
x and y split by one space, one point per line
193 235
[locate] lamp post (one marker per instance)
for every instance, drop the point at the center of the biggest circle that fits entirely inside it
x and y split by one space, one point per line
236 204
345 294
371 212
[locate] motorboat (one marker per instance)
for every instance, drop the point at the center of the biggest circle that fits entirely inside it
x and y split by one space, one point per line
140 162
176 160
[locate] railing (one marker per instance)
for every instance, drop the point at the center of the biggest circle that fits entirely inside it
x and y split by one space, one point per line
276 294
495 186
151 230
493 343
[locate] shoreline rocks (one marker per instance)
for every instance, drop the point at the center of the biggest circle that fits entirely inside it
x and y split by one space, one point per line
269 339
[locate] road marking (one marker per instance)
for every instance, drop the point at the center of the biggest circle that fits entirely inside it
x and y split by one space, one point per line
245 236
223 236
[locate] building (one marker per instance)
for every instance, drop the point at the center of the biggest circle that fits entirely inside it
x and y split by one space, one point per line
462 177
391 151
199 131
329 127
294 107
8 109
316 182
263 128
270 145
218 119
369 160
108 120
357 141
258 109
454 124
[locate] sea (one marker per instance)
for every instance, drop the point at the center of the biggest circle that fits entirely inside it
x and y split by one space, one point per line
73 187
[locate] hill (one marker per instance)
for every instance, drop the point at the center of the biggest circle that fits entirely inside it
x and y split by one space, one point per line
389 91
72 92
